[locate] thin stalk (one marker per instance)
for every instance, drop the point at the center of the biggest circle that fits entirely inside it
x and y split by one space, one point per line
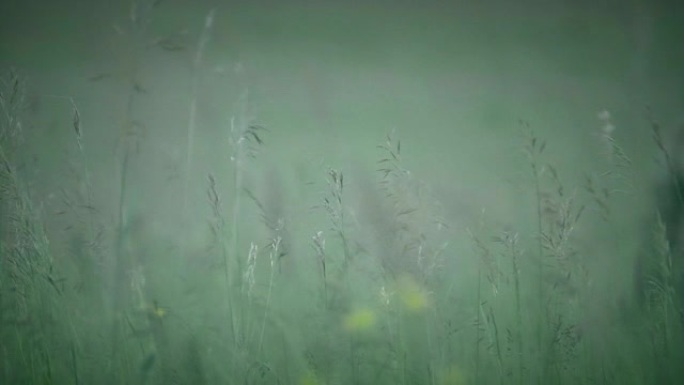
478 321
124 261
274 255
518 316
233 280
192 116
74 365
534 149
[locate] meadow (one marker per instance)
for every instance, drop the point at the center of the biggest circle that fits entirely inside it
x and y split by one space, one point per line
225 261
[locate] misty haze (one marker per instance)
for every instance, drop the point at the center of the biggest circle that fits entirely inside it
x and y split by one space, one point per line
316 192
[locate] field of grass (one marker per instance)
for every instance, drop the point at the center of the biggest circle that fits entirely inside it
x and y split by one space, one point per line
328 271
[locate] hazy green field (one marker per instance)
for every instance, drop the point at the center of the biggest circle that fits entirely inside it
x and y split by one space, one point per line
311 192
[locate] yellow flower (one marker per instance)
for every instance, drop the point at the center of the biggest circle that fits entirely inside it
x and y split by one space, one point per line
412 295
160 312
452 376
359 320
310 378
156 312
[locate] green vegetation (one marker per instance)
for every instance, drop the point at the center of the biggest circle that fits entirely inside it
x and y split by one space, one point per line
368 284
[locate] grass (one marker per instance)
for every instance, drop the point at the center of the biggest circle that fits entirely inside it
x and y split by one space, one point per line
367 287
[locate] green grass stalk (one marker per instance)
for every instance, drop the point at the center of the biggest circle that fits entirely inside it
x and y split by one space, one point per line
192 117
275 251
534 149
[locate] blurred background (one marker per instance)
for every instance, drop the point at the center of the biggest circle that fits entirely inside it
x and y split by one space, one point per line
330 79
